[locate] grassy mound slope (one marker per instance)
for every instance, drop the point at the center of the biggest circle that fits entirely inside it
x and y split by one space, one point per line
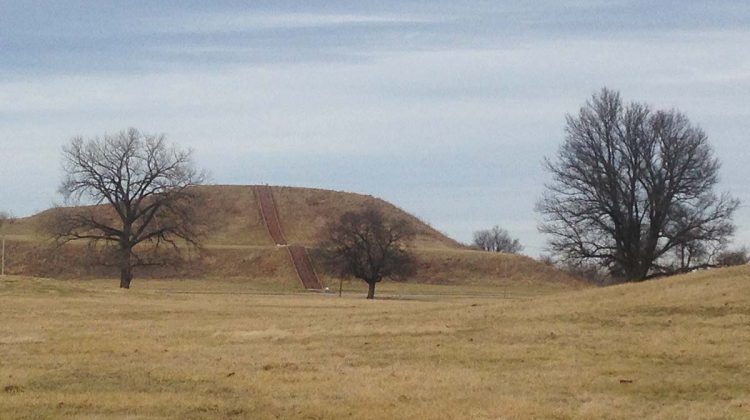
236 219
239 245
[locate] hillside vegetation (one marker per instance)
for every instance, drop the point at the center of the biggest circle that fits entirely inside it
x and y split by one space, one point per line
238 243
669 348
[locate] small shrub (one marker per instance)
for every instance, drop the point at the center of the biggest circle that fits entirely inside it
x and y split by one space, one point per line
734 257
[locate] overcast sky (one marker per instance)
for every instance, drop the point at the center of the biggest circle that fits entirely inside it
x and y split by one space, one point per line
445 108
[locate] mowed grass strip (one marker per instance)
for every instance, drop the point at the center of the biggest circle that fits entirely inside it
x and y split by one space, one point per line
672 348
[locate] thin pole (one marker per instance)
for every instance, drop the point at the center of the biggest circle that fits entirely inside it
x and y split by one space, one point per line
2 270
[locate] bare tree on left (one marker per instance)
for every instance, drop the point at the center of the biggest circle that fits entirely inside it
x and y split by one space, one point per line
140 194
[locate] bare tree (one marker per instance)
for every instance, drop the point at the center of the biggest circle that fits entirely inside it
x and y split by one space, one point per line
145 186
497 240
633 191
367 245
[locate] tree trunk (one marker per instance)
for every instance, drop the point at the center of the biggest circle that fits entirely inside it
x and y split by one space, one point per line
371 290
126 269
638 273
126 276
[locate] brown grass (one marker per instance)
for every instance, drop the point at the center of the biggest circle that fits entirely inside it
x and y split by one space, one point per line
671 348
257 266
468 267
304 212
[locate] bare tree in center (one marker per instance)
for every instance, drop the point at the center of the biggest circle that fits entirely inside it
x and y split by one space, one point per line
146 189
370 246
633 191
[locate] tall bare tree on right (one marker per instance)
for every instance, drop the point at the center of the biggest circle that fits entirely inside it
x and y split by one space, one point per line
633 190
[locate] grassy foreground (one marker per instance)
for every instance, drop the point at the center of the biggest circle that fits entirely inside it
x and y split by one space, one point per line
673 348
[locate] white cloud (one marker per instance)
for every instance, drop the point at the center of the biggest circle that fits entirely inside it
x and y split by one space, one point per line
240 22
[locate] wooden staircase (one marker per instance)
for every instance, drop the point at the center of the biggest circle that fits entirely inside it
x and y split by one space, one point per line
304 268
270 214
297 253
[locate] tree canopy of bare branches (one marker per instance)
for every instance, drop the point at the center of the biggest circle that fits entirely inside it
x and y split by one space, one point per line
633 189
367 245
497 240
142 196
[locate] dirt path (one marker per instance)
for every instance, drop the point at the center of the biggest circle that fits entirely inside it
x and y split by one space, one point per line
297 253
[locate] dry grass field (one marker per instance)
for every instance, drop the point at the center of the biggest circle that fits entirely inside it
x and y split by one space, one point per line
672 348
